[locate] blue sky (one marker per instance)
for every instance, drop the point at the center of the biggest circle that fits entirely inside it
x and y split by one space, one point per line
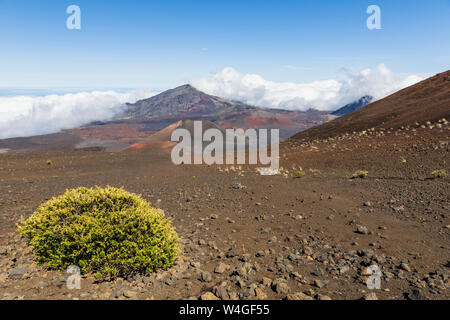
161 44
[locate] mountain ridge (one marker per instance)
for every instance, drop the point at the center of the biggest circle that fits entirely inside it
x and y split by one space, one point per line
353 106
184 99
428 100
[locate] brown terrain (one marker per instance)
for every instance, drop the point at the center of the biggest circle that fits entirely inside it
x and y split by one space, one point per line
247 236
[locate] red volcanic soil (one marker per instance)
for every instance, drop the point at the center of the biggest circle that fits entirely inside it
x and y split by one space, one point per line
428 100
166 133
160 145
309 238
162 139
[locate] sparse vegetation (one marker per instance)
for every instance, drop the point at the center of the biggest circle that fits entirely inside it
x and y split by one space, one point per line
300 174
442 173
248 269
360 174
107 231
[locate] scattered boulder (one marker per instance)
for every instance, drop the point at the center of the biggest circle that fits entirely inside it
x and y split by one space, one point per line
237 186
362 229
370 296
318 272
260 295
221 268
280 286
416 294
320 283
208 296
298 296
17 273
323 297
266 282
205 276
404 266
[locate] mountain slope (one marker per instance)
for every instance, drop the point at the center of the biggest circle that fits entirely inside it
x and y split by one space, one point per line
162 139
187 103
351 107
166 133
428 100
181 100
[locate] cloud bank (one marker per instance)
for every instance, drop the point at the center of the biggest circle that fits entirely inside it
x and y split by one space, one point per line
322 95
22 116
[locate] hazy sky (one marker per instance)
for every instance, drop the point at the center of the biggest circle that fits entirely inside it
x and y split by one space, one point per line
160 44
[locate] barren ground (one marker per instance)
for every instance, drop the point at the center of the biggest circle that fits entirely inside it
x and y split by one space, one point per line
247 236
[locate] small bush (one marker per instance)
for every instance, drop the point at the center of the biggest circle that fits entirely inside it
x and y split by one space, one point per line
360 174
442 173
49 162
106 231
300 174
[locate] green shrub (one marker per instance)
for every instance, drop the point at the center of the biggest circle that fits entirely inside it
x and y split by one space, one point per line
109 232
442 173
360 174
49 162
300 174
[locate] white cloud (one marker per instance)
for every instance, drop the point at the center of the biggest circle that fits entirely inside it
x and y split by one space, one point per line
322 95
22 116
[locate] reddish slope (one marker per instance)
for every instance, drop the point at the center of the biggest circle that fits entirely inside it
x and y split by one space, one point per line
428 100
159 146
166 133
161 140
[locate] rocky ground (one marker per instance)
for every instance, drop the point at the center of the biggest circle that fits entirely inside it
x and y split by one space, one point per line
247 236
